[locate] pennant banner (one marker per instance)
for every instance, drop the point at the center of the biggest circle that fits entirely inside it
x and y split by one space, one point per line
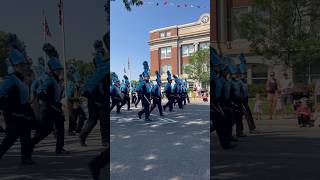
166 3
60 6
46 27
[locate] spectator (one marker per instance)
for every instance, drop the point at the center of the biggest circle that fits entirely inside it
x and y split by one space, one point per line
286 90
272 88
258 107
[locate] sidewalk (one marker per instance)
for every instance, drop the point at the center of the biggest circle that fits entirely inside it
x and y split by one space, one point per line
283 150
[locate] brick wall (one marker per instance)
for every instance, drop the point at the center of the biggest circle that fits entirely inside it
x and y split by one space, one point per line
154 61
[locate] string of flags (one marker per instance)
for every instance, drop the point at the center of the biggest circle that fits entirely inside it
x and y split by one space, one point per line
166 3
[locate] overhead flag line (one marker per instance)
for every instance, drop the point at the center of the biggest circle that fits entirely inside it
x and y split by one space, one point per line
166 3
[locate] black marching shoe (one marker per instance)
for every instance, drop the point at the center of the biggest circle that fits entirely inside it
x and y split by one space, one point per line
229 146
241 135
82 142
139 114
95 172
62 151
164 109
254 131
233 139
71 133
148 120
161 115
104 144
27 162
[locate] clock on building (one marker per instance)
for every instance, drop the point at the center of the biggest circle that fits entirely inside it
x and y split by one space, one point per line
205 19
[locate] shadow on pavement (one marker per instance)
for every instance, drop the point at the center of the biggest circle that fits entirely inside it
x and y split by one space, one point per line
268 156
50 166
174 147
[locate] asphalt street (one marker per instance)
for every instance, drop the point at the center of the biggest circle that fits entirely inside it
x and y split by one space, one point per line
50 166
283 150
172 147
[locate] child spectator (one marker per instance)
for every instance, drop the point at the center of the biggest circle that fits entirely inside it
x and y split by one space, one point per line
304 114
258 107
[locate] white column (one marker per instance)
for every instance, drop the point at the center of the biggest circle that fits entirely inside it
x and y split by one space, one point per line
196 46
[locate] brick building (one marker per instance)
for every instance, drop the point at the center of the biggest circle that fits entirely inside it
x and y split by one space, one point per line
171 47
224 13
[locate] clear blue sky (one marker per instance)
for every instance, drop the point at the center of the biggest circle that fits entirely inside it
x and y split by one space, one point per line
130 30
84 22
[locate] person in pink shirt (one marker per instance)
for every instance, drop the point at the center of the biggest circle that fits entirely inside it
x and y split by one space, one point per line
304 114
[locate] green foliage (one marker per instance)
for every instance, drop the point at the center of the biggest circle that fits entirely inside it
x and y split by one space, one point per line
257 88
84 68
199 66
129 3
283 30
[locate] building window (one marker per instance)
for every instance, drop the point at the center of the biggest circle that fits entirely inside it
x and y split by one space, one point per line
162 34
187 50
204 45
165 52
165 34
165 68
237 13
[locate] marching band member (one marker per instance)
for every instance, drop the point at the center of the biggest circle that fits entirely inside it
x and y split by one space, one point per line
95 89
169 94
156 94
14 105
49 93
145 89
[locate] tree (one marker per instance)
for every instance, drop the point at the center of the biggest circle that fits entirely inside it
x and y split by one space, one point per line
283 31
129 4
199 66
85 69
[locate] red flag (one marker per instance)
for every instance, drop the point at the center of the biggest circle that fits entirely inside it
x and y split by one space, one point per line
60 5
46 30
46 27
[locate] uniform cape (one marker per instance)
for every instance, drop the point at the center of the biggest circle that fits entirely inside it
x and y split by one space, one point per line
11 80
94 80
169 76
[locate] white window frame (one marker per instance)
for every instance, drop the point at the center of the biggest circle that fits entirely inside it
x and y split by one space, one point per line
162 34
167 54
189 52
208 43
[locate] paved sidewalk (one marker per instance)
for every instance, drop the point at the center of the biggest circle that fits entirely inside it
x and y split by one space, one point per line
282 151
